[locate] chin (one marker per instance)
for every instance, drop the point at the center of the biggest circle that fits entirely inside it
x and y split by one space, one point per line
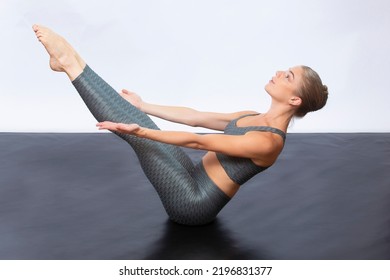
267 88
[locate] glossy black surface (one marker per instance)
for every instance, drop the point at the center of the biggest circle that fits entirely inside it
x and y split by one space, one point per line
84 196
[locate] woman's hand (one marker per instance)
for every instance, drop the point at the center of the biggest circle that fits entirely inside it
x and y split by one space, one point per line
132 98
120 127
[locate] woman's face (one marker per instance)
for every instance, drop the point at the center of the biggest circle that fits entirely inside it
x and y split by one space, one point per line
284 85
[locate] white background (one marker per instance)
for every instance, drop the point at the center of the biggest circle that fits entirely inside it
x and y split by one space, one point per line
213 55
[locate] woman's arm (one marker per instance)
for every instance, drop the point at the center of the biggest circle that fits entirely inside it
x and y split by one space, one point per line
183 115
252 145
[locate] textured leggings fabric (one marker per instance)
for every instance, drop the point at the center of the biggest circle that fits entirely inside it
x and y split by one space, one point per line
187 194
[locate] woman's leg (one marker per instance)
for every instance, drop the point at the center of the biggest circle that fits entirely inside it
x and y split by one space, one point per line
101 99
185 192
107 105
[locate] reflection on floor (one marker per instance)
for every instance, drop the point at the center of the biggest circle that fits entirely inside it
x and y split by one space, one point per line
84 196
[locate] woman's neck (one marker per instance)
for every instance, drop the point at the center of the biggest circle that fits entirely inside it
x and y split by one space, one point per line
278 117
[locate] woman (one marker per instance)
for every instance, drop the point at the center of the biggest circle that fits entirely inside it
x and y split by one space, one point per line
192 194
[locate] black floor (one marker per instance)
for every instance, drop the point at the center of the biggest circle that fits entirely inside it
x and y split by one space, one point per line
84 196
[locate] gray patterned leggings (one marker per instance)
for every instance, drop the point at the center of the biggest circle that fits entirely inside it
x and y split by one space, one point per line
187 194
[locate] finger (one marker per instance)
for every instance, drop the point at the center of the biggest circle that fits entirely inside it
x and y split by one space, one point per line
105 124
100 126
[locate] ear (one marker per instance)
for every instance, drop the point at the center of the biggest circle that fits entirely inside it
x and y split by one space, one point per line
295 101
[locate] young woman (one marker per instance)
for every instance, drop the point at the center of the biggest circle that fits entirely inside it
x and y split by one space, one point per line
192 194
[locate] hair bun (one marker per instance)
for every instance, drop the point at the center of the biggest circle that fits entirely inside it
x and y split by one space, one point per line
325 89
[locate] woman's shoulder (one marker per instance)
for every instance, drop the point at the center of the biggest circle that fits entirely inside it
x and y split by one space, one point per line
269 147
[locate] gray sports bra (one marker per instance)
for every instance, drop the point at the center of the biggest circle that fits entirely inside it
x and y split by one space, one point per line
239 169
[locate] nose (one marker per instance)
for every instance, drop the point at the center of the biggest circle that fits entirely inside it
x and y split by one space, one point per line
278 73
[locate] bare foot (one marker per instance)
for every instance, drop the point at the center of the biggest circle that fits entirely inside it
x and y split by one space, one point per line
63 58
